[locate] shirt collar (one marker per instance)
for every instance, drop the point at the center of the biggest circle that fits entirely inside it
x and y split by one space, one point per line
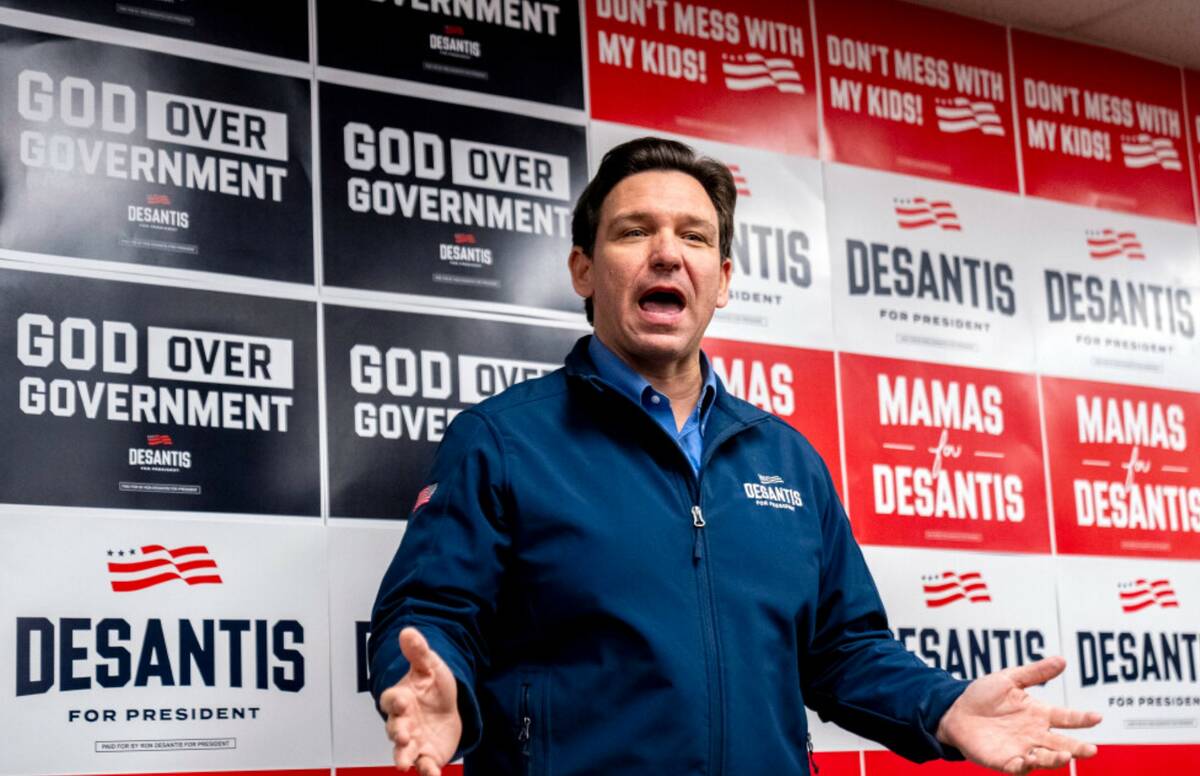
614 371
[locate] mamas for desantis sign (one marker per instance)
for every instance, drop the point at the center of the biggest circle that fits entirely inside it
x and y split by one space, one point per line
1123 468
779 291
736 72
184 644
942 456
917 91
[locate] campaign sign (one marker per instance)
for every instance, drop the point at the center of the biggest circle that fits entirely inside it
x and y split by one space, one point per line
1101 128
127 155
916 91
941 456
527 49
1130 636
779 292
278 29
141 396
1117 297
1191 81
738 72
395 381
183 645
432 198
796 384
358 558
927 270
891 764
1123 468
1122 760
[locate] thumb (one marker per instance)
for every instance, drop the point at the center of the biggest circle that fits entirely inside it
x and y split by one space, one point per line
416 650
1038 673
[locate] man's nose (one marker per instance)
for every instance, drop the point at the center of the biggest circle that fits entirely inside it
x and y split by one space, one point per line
666 250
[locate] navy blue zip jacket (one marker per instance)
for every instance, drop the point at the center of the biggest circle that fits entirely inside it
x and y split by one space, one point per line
604 610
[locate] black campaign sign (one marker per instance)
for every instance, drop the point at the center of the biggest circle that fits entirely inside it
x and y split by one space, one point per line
514 48
125 155
278 28
430 198
396 380
127 395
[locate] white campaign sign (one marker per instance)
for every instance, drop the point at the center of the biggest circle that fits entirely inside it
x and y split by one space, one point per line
1117 297
928 271
780 288
1133 641
162 643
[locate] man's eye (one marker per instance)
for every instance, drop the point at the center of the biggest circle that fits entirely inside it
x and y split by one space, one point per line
696 237
635 232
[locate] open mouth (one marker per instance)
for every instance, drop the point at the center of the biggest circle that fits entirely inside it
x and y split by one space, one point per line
662 300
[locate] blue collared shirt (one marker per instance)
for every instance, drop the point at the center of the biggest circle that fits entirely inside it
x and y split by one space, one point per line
621 376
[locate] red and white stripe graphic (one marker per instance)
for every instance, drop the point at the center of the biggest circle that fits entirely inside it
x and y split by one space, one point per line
424 496
158 199
464 238
1146 151
1140 593
747 72
1109 243
949 586
156 564
960 114
918 212
739 180
159 439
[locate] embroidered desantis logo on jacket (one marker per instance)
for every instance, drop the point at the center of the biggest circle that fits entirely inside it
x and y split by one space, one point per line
771 491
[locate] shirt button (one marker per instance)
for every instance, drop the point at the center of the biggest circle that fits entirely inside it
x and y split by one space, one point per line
655 399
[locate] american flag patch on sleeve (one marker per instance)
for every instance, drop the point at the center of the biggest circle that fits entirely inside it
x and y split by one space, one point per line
424 496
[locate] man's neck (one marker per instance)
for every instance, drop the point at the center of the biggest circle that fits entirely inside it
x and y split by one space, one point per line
680 380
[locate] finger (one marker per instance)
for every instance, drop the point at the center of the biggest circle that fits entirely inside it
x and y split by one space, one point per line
416 650
1073 718
427 767
1050 759
399 730
1075 747
395 700
406 755
1038 673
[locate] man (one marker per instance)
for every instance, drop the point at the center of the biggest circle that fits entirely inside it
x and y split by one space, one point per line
585 587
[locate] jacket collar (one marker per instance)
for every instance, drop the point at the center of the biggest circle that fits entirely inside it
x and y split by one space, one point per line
728 410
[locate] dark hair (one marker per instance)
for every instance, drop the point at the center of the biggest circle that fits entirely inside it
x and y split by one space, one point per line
643 155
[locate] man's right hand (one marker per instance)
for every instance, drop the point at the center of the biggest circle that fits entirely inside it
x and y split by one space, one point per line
422 709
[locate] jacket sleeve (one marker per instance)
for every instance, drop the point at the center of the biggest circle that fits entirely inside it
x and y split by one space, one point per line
445 577
857 674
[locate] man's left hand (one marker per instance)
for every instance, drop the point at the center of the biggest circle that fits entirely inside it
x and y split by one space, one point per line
997 724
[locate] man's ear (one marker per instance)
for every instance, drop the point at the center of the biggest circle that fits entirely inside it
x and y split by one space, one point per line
723 288
581 272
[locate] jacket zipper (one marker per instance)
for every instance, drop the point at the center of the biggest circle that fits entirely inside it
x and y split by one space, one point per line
812 761
525 736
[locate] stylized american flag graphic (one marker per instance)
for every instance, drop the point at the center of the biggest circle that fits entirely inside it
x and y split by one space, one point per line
918 212
770 479
424 496
156 565
746 72
1108 243
158 199
159 439
949 586
464 238
959 114
1146 151
1140 593
739 180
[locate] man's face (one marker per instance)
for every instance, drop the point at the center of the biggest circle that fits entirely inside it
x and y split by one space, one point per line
656 273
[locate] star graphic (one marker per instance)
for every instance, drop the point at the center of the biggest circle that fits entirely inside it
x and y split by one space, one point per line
110 553
133 552
121 553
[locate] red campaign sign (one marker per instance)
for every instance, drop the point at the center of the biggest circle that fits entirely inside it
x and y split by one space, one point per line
837 763
796 384
916 91
737 71
943 456
1122 479
1113 760
1101 128
1191 83
888 764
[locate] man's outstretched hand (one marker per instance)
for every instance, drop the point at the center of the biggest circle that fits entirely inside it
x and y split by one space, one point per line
995 723
422 709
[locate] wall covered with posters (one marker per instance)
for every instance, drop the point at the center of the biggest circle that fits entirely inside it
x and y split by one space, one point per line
254 260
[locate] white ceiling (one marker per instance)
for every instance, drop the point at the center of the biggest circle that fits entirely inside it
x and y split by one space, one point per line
1166 30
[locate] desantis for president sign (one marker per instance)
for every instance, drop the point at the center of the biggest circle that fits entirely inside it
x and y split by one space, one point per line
125 155
141 396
